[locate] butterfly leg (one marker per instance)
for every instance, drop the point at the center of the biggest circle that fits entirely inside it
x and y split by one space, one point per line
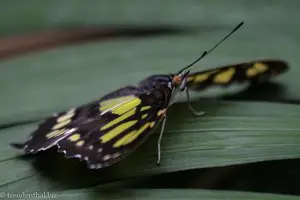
160 138
197 113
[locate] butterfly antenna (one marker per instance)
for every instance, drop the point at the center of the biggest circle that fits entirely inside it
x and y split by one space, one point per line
213 48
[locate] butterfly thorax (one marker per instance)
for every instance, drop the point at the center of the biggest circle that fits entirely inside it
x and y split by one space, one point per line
159 89
156 81
163 88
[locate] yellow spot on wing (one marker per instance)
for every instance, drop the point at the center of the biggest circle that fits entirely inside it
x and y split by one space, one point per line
151 124
61 124
161 112
190 78
119 119
251 72
203 77
130 137
55 133
124 139
224 77
257 68
66 116
74 138
80 143
116 131
127 106
145 108
111 103
144 116
260 67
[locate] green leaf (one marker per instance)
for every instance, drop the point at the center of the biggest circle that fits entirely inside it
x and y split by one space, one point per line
230 133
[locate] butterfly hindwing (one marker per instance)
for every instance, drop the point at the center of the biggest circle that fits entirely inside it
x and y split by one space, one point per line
254 71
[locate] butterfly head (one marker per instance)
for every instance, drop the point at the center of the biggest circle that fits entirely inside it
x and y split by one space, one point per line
180 80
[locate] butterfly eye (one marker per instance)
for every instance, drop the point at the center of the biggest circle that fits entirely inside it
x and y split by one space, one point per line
177 80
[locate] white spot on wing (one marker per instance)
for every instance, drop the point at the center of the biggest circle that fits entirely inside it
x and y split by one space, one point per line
70 131
77 156
115 155
98 166
92 166
106 157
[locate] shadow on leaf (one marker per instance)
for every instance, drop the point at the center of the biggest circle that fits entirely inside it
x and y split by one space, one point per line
267 92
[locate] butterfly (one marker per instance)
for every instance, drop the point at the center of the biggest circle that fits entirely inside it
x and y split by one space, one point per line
106 130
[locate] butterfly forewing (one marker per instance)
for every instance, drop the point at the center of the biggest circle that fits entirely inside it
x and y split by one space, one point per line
61 125
117 132
103 131
58 127
255 71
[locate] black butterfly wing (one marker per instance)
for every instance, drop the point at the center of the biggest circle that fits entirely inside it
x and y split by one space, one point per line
254 71
118 131
61 125
104 131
